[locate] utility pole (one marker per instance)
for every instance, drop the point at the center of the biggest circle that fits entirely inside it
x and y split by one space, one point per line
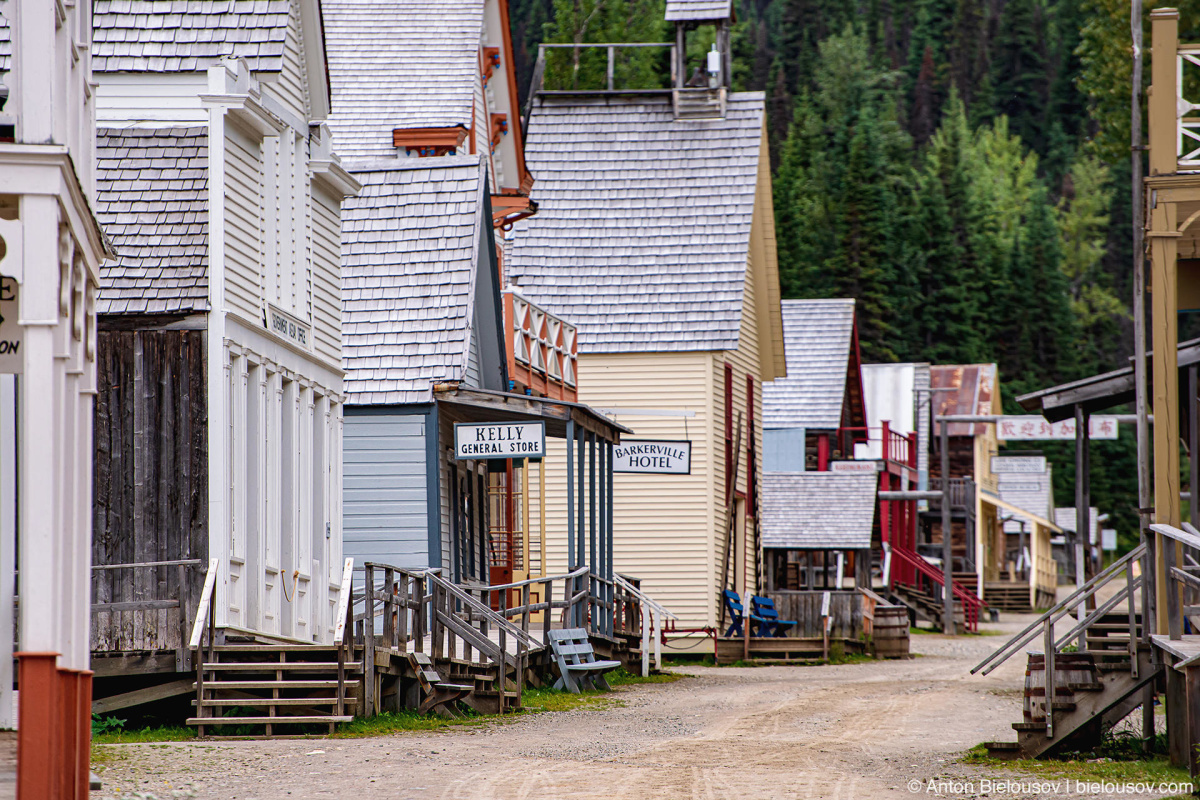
947 540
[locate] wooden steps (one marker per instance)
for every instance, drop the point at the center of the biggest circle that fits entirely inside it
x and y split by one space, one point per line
288 684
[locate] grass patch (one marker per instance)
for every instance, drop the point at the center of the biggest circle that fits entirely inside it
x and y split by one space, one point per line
1086 767
407 721
163 733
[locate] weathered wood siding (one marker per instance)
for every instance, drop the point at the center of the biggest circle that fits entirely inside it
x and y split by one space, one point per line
385 515
805 608
151 480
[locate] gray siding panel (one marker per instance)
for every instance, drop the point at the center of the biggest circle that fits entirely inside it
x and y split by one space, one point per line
385 514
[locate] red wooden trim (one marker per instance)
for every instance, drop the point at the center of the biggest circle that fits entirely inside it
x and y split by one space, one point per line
526 182
499 128
429 141
822 452
491 60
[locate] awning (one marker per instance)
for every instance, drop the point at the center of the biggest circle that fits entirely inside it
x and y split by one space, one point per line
992 499
482 405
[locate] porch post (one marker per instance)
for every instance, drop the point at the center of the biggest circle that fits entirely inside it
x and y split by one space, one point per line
593 561
570 504
947 539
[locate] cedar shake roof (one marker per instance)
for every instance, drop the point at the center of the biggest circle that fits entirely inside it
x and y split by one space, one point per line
152 202
399 64
410 249
817 510
187 35
818 337
1032 492
643 227
698 10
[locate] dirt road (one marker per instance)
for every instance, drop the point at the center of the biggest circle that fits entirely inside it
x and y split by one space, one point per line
768 733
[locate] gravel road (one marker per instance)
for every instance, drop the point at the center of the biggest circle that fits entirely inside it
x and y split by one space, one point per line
767 733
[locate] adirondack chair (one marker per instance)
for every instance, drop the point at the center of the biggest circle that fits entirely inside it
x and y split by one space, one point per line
436 695
733 604
577 662
772 625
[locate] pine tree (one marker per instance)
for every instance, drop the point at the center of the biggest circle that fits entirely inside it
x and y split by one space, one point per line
1019 72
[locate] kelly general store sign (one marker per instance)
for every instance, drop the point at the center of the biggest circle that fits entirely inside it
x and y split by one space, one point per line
1030 428
500 440
653 456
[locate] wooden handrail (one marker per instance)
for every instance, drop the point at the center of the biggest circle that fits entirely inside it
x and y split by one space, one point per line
971 604
183 562
205 606
339 632
1014 645
484 611
531 581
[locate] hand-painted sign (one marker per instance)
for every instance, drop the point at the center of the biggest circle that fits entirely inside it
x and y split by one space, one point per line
12 359
285 326
1022 465
500 440
653 456
864 465
1029 428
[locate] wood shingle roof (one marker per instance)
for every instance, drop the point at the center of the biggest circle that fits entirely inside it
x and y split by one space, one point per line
187 35
817 336
410 249
643 227
818 510
399 64
152 202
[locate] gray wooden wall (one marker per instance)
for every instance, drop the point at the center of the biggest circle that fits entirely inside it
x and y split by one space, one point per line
151 481
385 510
805 608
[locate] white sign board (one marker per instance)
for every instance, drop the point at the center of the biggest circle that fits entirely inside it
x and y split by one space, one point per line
12 360
1018 465
1108 538
1021 486
499 440
1033 428
285 326
856 467
659 457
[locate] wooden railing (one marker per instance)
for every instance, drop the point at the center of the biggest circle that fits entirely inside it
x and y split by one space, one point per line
971 604
574 591
1053 645
206 620
106 638
1183 579
540 67
637 607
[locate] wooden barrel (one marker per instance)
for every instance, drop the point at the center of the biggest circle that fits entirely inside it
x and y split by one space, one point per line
1069 668
891 632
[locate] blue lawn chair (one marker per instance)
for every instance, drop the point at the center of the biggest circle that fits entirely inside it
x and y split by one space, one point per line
737 612
772 625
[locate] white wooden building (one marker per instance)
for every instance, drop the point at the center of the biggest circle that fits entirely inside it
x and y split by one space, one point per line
220 408
50 253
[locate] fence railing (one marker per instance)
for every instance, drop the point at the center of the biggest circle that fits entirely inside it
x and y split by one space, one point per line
1183 578
612 69
111 602
635 608
971 604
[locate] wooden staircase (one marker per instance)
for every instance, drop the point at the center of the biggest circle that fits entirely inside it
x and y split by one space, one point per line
274 686
1090 689
922 605
489 694
1008 596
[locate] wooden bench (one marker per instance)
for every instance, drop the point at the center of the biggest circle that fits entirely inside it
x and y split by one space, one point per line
577 662
771 625
737 612
437 695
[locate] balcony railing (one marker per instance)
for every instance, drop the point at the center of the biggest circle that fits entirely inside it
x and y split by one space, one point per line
542 349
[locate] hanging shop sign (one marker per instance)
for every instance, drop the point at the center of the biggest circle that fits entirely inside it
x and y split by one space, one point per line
653 456
866 465
1018 465
1030 428
500 440
12 333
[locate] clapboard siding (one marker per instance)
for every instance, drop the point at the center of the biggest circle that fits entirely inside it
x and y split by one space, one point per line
654 514
291 87
151 480
326 280
150 99
474 374
385 516
243 225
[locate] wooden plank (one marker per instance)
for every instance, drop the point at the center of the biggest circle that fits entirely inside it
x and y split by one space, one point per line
140 696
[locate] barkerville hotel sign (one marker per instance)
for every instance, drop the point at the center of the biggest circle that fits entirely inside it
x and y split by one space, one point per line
500 440
653 456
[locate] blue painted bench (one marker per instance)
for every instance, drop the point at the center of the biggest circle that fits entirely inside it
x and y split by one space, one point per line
737 613
772 625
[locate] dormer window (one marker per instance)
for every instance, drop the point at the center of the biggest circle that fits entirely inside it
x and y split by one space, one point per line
423 142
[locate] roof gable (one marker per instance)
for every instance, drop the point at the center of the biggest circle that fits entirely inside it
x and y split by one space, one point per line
152 201
818 510
399 64
821 352
413 251
643 227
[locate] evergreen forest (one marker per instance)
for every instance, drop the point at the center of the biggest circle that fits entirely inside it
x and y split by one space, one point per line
960 167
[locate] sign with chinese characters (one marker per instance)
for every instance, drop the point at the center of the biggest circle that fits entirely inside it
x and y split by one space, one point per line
12 359
865 466
285 326
1031 428
1018 465
653 456
499 440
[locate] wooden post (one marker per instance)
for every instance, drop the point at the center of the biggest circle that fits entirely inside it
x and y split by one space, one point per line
947 539
611 60
369 642
1192 688
1163 236
389 607
1081 511
1048 663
